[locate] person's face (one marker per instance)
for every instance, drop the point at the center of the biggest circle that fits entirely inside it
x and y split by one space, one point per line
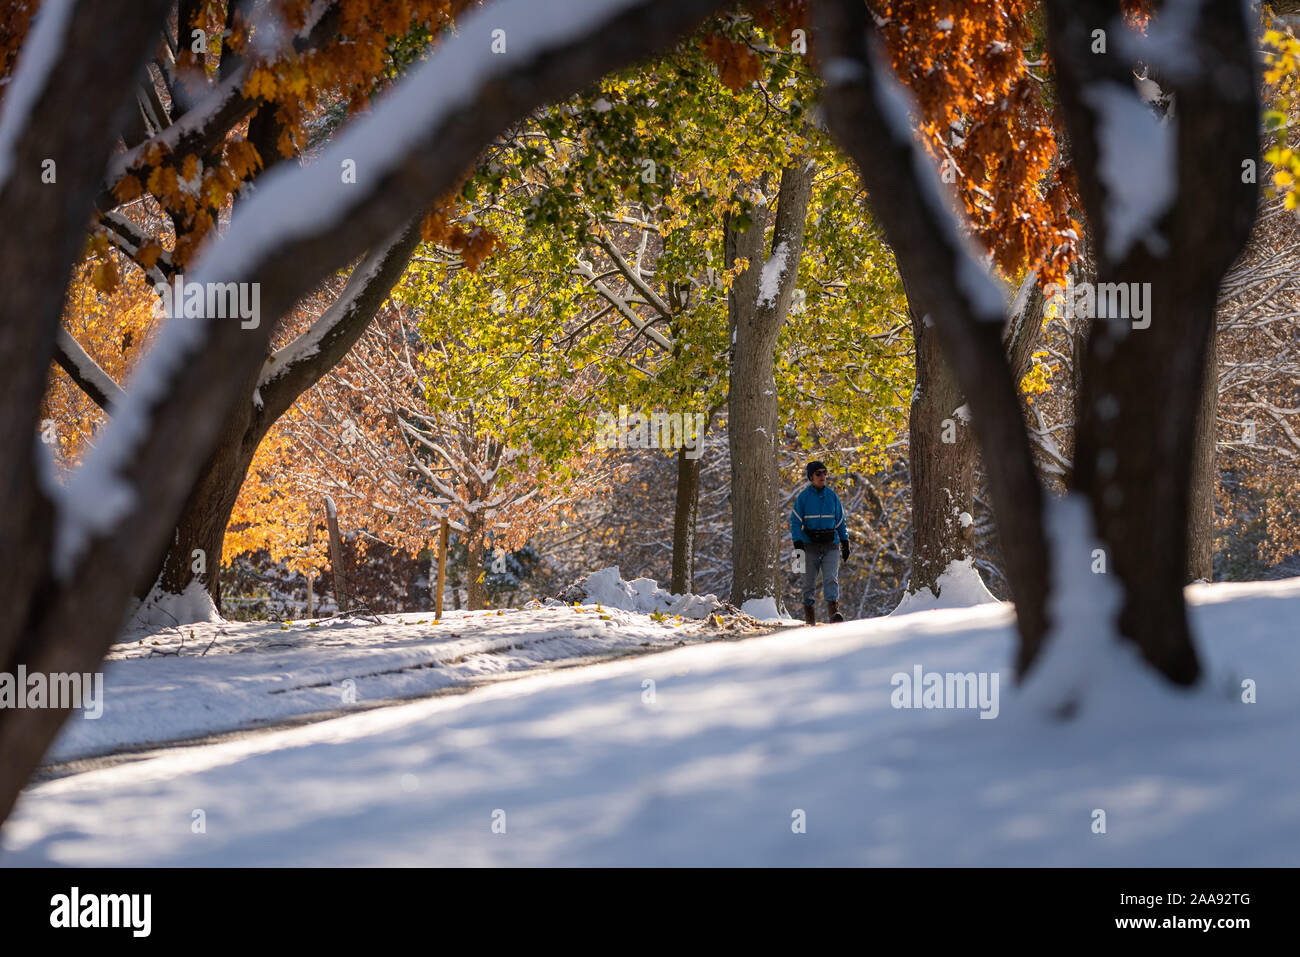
819 478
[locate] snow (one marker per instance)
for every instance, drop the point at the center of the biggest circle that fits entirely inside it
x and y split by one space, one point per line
308 344
87 368
960 586
705 755
40 51
292 201
178 683
162 608
97 496
764 609
1082 609
1135 166
770 281
963 412
643 595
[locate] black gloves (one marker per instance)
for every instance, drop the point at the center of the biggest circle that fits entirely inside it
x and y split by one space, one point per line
844 551
798 546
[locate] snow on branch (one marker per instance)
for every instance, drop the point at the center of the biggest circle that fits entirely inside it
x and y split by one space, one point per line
340 325
585 270
85 371
41 50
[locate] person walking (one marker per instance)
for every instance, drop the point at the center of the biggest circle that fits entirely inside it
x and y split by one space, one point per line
819 530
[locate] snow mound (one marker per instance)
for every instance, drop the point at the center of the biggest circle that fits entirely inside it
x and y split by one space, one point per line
162 609
763 609
960 586
643 595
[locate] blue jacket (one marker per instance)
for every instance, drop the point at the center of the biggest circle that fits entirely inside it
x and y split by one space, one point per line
817 508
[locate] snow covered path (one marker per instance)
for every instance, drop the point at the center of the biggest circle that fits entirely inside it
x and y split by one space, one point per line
732 745
203 679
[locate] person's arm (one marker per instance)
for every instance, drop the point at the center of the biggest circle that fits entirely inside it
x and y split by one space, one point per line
796 522
841 524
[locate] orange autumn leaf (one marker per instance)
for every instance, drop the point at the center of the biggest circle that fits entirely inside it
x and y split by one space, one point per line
127 188
147 255
105 276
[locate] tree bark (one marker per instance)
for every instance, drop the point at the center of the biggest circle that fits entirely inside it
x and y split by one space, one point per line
941 458
1200 514
685 514
201 531
1141 385
942 450
475 575
753 419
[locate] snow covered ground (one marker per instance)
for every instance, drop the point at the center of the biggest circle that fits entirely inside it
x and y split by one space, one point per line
204 678
783 749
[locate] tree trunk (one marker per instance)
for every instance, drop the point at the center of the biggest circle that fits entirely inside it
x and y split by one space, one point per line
1200 514
684 517
1144 405
942 451
941 457
202 525
194 554
475 572
756 311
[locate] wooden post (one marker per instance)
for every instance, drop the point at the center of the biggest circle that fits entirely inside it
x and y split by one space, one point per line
442 568
310 596
336 551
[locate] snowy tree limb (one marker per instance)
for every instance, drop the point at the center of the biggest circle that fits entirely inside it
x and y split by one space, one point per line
292 370
85 371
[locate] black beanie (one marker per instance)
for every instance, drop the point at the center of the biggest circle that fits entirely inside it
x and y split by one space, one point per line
813 467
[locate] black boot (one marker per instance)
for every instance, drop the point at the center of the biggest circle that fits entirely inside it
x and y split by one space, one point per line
809 615
833 607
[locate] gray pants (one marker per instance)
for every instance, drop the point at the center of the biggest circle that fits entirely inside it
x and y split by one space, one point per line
826 559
